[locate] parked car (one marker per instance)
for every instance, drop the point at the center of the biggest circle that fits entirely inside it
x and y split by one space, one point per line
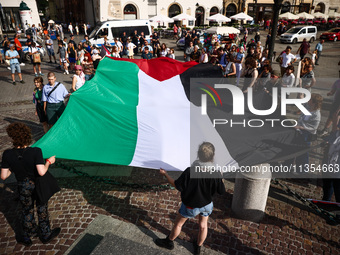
331 35
297 34
42 49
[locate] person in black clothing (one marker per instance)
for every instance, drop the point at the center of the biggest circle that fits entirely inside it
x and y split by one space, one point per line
29 40
134 39
250 45
141 39
196 196
27 163
72 41
155 43
123 40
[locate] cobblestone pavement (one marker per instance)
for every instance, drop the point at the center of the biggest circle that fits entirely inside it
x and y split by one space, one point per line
288 227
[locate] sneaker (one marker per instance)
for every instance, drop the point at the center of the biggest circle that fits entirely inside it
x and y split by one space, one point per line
24 240
197 249
36 75
165 243
8 68
50 62
67 72
22 81
55 62
22 64
41 74
14 83
54 233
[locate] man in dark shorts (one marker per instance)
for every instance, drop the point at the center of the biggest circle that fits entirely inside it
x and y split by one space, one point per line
196 196
53 97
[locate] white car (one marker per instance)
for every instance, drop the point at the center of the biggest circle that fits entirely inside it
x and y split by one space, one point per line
297 34
27 57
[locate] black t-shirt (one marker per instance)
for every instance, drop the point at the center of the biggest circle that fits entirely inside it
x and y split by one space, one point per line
22 162
29 42
74 43
198 192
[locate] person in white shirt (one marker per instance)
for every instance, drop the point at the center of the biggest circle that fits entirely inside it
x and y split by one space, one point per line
288 59
146 45
204 56
164 50
32 51
130 48
70 28
85 28
171 54
78 79
288 78
119 46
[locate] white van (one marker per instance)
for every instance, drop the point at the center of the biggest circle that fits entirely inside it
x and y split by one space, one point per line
297 34
115 28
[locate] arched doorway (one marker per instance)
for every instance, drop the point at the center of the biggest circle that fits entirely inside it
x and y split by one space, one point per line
320 7
285 7
130 11
213 11
174 10
231 10
199 15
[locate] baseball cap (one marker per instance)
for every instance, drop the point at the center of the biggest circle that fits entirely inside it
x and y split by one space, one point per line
78 67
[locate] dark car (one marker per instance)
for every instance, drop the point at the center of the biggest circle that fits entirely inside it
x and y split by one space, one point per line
331 35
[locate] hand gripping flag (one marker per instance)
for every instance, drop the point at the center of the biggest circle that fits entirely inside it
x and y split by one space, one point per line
140 113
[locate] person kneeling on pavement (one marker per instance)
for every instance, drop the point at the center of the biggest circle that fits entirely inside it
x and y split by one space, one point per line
196 196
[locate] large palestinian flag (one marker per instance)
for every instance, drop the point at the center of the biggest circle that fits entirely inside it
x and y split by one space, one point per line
140 113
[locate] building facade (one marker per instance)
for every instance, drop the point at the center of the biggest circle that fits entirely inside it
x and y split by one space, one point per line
101 10
10 15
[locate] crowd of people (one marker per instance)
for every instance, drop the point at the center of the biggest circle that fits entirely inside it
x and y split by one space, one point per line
236 58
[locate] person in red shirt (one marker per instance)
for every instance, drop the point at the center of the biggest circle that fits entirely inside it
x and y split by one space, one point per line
303 49
18 47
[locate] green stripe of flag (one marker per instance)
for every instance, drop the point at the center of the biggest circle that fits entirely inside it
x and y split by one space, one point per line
100 121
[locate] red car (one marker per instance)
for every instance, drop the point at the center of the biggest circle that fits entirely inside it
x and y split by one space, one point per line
331 35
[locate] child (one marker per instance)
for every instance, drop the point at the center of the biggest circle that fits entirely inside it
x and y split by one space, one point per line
39 105
63 56
171 53
130 47
314 56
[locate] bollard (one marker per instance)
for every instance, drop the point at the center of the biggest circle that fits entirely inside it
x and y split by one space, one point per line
251 193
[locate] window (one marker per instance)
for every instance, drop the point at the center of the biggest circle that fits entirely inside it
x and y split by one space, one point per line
231 10
213 11
303 31
311 30
118 31
103 32
174 10
130 12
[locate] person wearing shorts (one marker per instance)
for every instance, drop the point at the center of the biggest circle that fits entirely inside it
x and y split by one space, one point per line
53 97
12 55
50 50
196 196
